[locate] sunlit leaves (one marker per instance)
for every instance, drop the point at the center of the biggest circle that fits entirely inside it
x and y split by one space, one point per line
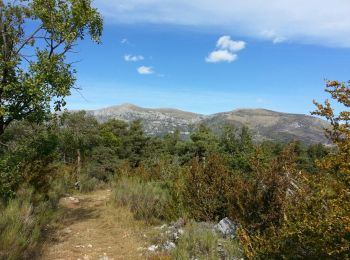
34 72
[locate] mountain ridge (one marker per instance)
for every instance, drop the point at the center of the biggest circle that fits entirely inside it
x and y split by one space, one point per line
264 124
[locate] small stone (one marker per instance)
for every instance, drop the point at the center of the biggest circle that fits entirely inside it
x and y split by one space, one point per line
74 200
169 245
152 248
89 246
226 228
161 227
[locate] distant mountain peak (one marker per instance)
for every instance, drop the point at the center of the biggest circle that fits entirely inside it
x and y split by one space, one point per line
255 111
264 124
128 105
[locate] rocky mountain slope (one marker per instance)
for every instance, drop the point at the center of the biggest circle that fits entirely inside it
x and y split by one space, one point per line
264 124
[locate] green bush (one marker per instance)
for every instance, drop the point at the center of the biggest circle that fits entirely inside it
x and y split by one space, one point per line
28 159
204 189
21 223
10 177
148 201
88 184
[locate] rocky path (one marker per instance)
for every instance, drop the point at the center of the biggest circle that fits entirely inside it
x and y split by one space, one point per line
92 229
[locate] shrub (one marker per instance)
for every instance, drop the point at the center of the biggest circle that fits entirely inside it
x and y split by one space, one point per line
29 159
102 164
148 201
315 225
257 201
204 189
88 184
21 223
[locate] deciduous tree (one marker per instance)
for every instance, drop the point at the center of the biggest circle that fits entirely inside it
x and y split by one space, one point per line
35 39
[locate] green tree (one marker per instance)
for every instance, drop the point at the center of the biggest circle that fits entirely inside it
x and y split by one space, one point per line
31 151
78 135
113 134
34 72
204 142
170 142
135 143
238 146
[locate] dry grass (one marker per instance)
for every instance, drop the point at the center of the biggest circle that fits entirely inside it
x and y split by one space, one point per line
148 201
92 229
21 224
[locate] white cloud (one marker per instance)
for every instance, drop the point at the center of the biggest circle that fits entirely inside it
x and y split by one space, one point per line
279 40
320 22
226 43
221 56
144 70
225 48
131 58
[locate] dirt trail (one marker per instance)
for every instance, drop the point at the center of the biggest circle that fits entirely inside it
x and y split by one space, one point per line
92 229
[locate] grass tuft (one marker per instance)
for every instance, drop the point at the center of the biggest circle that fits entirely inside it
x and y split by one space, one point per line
148 201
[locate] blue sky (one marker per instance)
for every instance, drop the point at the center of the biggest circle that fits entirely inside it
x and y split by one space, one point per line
211 60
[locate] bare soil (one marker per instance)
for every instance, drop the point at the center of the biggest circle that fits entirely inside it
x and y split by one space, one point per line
90 228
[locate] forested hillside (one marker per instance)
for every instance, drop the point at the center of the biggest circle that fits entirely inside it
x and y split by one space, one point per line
265 125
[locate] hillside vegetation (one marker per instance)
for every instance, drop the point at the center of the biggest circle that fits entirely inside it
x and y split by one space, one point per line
266 175
288 200
265 125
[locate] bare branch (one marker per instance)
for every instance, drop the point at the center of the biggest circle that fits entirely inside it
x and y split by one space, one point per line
3 144
29 38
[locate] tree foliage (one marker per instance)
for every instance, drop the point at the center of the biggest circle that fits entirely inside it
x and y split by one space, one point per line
337 162
35 39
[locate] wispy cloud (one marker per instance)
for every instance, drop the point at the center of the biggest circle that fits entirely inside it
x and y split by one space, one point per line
273 36
144 70
124 41
320 22
131 58
225 48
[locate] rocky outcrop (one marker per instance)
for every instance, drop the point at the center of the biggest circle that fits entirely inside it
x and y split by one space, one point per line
169 236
